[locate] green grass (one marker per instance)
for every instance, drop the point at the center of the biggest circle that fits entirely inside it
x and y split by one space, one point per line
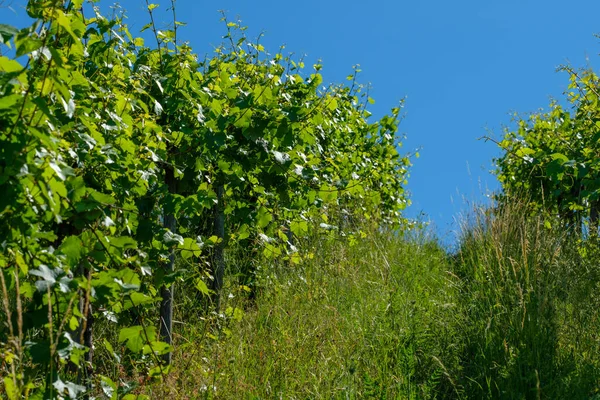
530 303
370 321
512 314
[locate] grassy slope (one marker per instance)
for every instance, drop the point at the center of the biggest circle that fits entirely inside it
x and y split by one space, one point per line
372 320
530 304
514 314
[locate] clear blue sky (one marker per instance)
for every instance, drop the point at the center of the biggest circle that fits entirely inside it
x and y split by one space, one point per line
463 67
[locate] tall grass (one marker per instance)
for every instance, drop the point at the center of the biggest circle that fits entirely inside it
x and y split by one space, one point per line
372 320
512 314
524 287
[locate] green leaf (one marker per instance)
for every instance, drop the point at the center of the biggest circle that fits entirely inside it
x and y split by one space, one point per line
111 350
62 172
10 388
170 239
123 242
158 108
72 389
134 337
271 251
48 276
65 22
281 158
57 187
243 232
49 236
73 248
299 228
147 26
234 313
332 104
27 44
555 169
7 32
263 217
158 348
189 248
560 157
73 323
525 151
201 286
138 299
69 106
100 197
109 388
7 102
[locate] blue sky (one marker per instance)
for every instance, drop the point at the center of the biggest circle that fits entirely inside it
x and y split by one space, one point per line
463 67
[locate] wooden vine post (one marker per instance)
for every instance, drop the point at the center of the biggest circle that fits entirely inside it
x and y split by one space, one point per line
167 292
218 255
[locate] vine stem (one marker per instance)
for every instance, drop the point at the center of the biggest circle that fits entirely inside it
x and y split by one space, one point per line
174 24
5 303
155 32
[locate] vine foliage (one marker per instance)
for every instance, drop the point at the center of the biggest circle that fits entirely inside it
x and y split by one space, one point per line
115 157
553 157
